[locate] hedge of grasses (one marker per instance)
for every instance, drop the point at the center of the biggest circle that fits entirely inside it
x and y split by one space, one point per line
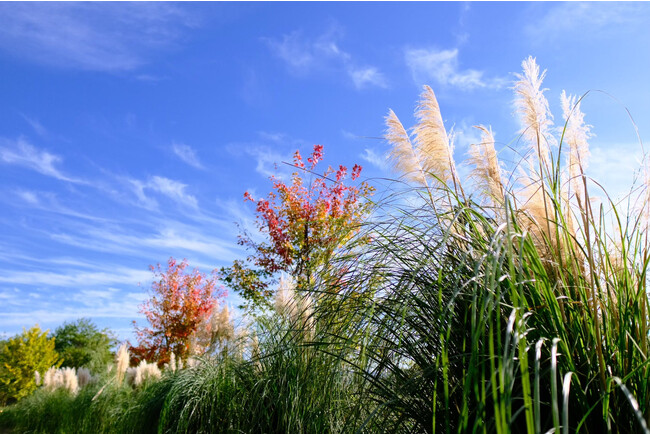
512 302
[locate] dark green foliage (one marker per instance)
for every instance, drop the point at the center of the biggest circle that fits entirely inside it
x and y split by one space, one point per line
81 343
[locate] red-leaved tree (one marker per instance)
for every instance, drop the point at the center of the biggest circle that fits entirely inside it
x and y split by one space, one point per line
304 222
179 303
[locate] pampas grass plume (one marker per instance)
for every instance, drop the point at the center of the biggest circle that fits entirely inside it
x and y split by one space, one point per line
122 362
532 107
223 328
142 373
63 378
172 362
84 377
487 171
70 381
434 145
576 134
403 155
285 303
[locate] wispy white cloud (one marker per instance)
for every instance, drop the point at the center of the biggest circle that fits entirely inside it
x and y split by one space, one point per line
274 137
585 18
187 154
28 196
150 78
173 189
91 36
137 187
254 90
461 33
269 162
11 256
21 153
303 56
299 55
116 275
465 134
442 66
49 202
104 294
270 153
369 76
170 188
374 158
51 315
165 239
615 166
36 125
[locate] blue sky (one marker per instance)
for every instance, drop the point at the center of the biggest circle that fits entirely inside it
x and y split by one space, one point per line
129 132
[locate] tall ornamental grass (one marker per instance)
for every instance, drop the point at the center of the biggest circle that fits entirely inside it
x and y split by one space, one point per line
511 301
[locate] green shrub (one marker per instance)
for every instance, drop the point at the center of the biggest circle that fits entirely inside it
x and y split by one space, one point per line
80 343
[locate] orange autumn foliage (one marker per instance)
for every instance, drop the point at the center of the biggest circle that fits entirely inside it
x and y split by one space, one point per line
179 303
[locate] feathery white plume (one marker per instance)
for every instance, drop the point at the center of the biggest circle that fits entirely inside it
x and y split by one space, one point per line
285 296
532 106
172 362
222 327
138 375
487 171
576 134
293 306
63 378
432 142
84 377
49 379
70 381
122 362
403 155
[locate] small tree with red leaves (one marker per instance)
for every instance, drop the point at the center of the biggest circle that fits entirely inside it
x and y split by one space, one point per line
304 223
179 303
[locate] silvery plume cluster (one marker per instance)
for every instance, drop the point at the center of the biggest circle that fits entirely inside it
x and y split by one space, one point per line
70 379
214 333
292 306
546 190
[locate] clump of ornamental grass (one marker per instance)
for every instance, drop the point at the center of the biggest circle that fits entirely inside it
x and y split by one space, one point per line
102 405
499 303
65 378
285 384
144 372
